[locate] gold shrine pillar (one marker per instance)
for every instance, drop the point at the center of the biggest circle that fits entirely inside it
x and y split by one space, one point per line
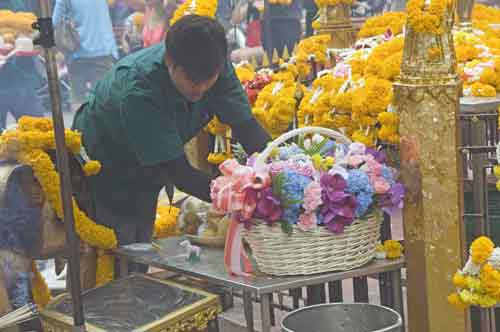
464 14
427 100
336 21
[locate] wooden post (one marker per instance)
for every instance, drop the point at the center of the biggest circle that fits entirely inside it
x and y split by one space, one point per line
427 99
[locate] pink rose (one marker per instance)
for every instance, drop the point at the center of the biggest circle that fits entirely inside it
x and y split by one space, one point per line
373 167
307 222
380 185
356 160
312 196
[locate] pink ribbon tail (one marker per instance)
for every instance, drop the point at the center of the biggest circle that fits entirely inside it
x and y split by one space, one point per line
234 256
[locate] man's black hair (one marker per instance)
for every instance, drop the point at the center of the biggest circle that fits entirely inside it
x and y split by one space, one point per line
198 44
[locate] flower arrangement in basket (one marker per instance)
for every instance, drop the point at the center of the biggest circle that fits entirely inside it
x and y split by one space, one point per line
307 207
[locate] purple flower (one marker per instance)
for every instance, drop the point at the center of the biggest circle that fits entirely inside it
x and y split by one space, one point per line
268 206
393 199
338 208
378 155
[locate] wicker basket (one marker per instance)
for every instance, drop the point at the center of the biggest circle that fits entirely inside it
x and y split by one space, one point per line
303 253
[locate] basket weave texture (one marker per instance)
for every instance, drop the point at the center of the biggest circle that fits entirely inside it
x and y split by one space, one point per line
304 253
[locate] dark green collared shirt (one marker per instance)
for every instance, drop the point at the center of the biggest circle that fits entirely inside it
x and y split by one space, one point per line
136 119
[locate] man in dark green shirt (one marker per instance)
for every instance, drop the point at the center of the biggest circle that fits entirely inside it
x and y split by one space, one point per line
139 116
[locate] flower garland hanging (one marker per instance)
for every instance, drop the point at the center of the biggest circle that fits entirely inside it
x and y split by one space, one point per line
206 8
426 20
275 106
378 25
478 283
312 48
332 3
27 144
222 146
166 222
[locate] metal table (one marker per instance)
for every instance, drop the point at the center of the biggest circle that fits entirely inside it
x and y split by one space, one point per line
211 267
479 104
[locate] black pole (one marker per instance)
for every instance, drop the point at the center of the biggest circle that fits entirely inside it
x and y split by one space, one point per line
46 40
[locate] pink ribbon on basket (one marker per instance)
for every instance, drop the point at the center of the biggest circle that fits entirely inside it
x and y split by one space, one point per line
235 192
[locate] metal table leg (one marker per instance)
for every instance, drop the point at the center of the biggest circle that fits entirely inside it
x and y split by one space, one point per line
123 263
271 309
213 325
265 312
397 293
316 294
296 294
360 289
248 310
335 293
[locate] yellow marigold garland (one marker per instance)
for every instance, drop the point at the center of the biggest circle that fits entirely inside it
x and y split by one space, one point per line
105 268
378 25
40 289
481 250
332 3
426 20
478 283
27 145
166 222
195 7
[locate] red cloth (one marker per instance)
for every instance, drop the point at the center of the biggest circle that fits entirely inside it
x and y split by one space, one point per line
254 34
152 36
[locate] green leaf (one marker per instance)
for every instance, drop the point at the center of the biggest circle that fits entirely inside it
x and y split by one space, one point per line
278 185
316 148
286 227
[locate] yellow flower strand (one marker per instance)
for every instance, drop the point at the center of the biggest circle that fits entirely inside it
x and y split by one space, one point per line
206 8
378 25
332 3
426 20
40 289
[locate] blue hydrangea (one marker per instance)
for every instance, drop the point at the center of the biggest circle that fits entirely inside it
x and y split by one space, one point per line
292 194
288 151
388 175
364 201
358 183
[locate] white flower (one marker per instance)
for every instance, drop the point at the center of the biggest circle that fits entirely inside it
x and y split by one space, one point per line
307 144
380 255
317 138
494 259
471 268
357 148
339 170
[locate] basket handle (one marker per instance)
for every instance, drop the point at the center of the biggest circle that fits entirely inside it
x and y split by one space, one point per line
262 157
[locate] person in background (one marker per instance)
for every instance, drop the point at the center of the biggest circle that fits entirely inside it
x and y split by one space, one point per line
20 76
285 27
311 11
97 51
248 13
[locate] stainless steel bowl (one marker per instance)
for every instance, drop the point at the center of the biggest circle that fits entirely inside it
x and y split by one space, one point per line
343 317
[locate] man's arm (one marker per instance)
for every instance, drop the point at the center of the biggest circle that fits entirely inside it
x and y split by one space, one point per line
251 135
186 178
230 103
